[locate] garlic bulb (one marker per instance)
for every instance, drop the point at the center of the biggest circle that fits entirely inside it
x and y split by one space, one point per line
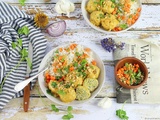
64 6
105 103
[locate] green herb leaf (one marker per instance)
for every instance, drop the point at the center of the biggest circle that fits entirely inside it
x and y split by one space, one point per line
22 2
49 92
57 51
29 62
20 42
23 31
75 64
68 85
77 54
24 53
69 114
61 92
58 77
96 2
54 108
70 108
123 26
54 84
14 45
84 62
66 69
113 1
122 113
101 2
101 15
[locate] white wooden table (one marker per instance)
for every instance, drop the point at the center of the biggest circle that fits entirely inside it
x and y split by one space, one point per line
79 31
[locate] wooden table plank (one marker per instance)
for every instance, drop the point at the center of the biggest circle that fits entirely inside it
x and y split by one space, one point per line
148 21
88 111
74 1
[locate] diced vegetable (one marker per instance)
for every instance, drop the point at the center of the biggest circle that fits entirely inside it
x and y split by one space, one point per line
130 74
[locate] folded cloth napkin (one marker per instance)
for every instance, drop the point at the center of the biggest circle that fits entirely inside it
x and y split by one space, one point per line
11 19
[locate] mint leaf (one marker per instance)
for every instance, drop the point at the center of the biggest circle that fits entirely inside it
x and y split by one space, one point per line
23 31
14 45
22 2
24 53
20 42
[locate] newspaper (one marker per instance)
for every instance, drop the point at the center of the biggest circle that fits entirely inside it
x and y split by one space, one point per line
147 51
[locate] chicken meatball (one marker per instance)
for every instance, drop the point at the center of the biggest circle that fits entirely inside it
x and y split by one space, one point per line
109 22
95 17
91 6
53 86
91 84
93 71
67 95
108 6
82 93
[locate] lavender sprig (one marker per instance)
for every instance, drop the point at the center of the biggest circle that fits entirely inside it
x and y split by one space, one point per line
110 45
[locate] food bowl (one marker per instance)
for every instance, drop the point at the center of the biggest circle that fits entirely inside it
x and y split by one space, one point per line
47 60
122 19
129 76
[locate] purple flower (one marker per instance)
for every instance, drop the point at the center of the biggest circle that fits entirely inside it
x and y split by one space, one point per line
110 45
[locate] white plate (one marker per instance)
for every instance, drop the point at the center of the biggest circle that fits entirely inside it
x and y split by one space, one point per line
41 80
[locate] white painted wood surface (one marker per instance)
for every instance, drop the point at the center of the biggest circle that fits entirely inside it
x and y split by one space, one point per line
79 31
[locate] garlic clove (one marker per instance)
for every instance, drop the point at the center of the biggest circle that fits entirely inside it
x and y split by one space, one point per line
64 6
105 103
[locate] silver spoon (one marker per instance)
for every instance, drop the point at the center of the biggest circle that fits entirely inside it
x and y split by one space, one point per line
22 84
